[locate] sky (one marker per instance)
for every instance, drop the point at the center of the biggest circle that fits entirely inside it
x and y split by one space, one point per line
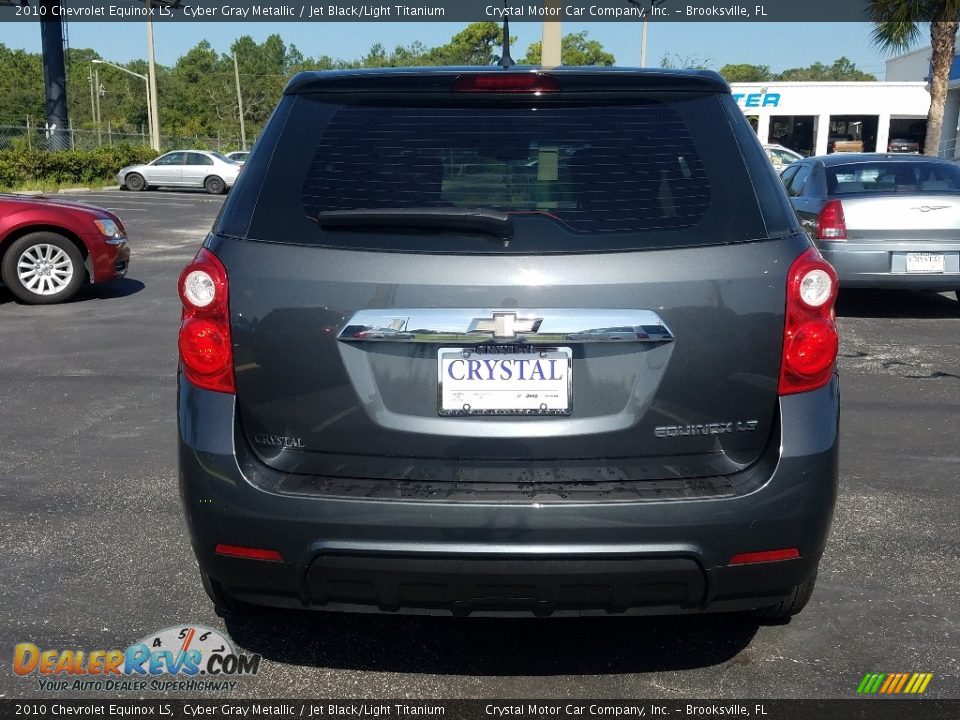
779 45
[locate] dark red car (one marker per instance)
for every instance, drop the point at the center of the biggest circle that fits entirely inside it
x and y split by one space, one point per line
49 248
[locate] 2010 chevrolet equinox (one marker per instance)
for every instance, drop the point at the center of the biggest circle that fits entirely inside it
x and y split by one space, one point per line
477 340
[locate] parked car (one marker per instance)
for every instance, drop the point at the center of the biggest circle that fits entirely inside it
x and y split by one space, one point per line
882 221
239 156
417 377
903 145
50 248
844 144
781 156
183 168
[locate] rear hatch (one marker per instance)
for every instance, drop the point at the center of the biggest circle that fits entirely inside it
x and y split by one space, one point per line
439 278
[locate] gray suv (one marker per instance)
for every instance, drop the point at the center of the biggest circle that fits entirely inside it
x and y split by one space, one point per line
484 341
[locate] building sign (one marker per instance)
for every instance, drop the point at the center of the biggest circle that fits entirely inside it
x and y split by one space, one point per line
757 100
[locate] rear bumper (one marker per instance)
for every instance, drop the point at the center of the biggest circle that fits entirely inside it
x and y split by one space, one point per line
647 557
883 265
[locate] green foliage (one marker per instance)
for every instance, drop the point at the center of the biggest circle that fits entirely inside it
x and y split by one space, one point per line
743 72
897 22
673 61
21 166
198 95
841 69
575 49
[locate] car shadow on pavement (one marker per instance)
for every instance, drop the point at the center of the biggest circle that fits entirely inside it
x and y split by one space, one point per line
108 291
491 647
116 289
896 303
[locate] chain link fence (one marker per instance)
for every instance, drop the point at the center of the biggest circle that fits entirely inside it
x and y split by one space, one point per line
32 137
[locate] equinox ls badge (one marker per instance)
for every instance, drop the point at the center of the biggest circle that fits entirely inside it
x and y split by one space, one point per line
714 428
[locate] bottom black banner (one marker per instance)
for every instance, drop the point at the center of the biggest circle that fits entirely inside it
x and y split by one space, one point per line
872 708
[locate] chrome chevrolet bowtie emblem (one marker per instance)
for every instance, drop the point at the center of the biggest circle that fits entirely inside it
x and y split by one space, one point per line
928 208
505 325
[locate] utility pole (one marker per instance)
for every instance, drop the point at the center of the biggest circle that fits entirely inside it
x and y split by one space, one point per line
93 106
236 75
146 81
96 78
152 72
550 44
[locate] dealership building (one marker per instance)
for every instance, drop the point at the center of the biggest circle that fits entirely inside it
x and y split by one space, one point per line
806 116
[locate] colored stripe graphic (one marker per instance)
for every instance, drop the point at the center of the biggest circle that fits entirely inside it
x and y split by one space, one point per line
870 683
894 683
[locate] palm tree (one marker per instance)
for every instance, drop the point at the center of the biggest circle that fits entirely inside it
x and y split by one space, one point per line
897 27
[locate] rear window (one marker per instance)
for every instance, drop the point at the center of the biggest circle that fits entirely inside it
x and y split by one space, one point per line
893 177
607 169
575 175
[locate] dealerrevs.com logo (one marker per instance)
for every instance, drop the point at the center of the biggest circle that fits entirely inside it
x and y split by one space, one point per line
190 658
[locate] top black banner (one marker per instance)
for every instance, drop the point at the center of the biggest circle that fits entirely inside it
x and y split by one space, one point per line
440 10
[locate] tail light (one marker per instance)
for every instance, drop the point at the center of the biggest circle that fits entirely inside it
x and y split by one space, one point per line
831 224
810 339
206 352
507 82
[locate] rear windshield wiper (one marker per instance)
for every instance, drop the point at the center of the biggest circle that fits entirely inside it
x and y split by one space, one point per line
476 220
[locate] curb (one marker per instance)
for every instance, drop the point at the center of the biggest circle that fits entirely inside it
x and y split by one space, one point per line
64 191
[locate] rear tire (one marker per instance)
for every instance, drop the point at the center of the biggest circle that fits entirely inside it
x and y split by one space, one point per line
134 182
214 185
792 605
43 268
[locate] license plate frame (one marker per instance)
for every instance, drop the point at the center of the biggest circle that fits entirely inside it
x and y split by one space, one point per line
918 262
462 397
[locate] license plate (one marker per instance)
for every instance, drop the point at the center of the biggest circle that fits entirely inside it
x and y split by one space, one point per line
504 380
923 262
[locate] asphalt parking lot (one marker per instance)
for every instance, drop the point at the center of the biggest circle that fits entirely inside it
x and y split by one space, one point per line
95 553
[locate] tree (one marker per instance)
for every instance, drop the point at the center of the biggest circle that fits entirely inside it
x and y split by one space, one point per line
575 49
843 69
673 61
897 28
743 72
477 44
21 87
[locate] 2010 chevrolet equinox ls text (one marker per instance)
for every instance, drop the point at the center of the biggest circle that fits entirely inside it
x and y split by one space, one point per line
484 341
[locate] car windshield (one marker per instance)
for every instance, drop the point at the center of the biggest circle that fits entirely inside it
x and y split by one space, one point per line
894 177
222 158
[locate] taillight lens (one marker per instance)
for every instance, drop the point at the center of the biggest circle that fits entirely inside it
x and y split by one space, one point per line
206 352
831 224
507 82
810 339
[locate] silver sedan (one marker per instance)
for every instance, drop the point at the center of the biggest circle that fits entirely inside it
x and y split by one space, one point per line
881 220
183 168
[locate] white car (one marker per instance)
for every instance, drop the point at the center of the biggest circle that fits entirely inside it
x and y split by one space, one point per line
183 168
239 156
781 156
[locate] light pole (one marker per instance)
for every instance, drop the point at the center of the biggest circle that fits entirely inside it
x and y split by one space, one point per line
152 69
96 82
551 54
149 104
643 32
152 72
